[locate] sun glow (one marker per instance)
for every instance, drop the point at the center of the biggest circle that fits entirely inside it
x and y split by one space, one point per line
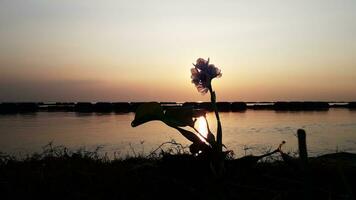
202 126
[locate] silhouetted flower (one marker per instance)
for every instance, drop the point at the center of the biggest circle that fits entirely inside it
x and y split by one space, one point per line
203 73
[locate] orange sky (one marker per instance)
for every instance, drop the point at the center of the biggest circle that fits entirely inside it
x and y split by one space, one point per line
143 50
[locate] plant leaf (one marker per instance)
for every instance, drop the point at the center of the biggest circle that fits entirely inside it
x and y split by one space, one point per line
211 139
173 117
182 116
198 144
187 134
147 112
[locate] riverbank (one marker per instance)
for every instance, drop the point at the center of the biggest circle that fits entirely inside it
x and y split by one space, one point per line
57 173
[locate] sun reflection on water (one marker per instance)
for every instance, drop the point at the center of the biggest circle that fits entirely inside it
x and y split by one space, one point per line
202 126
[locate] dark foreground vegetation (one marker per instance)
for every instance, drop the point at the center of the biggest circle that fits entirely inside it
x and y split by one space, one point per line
58 173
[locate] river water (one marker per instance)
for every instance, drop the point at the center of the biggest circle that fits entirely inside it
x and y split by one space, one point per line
253 131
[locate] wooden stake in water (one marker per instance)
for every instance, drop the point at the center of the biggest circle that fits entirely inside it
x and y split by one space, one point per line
302 145
303 155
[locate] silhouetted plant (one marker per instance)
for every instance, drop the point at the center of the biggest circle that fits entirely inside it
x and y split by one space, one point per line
202 75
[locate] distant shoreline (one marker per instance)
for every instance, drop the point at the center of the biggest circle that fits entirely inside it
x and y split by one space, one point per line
126 107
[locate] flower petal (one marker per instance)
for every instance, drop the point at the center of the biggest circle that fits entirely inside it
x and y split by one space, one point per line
203 73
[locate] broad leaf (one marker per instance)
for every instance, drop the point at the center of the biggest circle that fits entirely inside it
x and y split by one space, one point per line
175 118
147 112
182 116
187 134
198 145
211 139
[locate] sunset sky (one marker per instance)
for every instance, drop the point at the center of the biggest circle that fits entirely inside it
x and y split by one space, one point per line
86 50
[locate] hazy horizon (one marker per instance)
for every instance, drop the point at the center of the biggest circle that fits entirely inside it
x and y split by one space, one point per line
143 50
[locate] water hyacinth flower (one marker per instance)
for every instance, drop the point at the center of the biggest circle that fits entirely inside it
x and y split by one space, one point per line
203 73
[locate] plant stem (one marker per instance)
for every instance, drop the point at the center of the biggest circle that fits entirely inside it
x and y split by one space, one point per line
219 129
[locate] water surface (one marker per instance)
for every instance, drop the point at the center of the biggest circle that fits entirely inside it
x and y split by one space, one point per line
328 131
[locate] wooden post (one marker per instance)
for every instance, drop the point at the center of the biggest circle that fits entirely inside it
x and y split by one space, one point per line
302 145
303 155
